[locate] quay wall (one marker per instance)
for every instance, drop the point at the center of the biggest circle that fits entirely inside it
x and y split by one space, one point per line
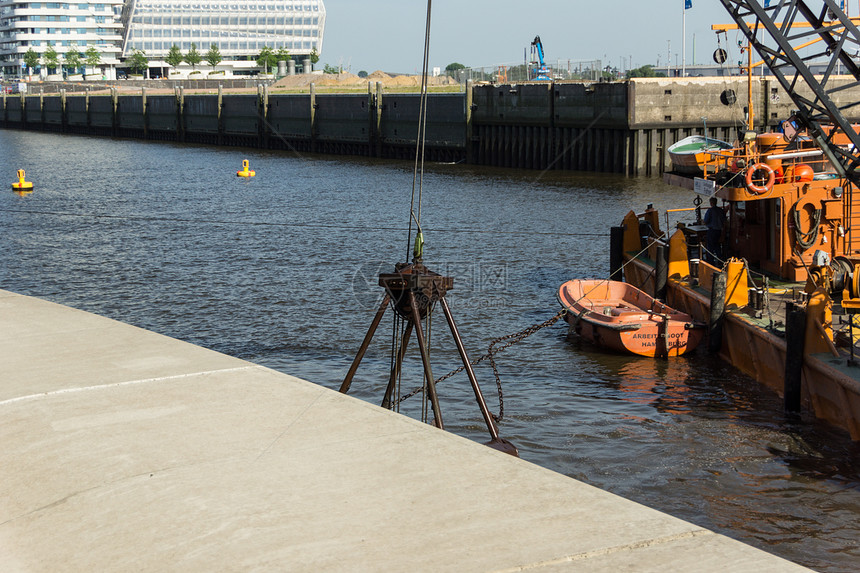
618 127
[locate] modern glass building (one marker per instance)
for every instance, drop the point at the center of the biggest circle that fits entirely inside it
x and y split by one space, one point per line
240 28
116 28
63 26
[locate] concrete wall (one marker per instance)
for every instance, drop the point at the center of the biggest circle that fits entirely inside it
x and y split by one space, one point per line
521 105
583 105
289 117
241 115
52 108
342 118
201 115
76 113
14 108
162 114
129 113
446 117
33 109
657 103
101 111
620 127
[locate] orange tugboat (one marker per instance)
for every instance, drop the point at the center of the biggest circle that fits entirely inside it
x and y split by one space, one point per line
775 270
620 317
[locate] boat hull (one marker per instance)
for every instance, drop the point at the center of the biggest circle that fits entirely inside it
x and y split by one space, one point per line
622 318
828 390
690 155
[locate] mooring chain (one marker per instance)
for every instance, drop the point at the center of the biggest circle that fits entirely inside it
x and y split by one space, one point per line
491 351
512 339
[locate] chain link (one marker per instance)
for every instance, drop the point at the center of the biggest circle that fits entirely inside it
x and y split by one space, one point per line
512 339
491 352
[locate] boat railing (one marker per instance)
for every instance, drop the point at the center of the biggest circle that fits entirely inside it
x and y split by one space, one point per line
729 167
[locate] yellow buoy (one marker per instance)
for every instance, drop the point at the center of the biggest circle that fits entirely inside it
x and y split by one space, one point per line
245 171
22 184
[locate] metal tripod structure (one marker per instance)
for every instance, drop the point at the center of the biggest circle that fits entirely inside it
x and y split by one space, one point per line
788 26
412 291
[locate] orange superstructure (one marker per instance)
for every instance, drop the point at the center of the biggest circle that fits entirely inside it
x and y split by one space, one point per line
784 202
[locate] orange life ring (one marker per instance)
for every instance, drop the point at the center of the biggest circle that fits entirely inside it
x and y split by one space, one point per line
759 189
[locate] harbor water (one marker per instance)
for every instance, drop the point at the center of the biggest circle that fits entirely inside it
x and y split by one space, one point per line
281 270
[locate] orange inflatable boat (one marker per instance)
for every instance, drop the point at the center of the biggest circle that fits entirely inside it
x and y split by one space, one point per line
621 317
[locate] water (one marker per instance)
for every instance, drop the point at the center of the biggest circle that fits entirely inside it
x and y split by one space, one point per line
281 270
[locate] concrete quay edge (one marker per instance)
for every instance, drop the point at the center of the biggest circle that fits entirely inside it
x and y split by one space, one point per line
127 450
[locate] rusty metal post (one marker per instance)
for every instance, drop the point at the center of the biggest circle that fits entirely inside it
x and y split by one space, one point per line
616 253
795 337
425 359
398 364
718 308
347 381
482 404
661 272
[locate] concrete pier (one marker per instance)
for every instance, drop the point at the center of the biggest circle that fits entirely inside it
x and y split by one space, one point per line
617 127
127 450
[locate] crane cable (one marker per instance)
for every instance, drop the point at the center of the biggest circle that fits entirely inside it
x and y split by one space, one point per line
418 175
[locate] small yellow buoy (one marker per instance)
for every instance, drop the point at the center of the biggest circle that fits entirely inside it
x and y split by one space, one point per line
22 184
245 171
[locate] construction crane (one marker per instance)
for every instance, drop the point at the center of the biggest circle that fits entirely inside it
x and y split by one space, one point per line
778 29
541 71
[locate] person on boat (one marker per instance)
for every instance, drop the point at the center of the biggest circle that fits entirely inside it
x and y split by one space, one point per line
715 220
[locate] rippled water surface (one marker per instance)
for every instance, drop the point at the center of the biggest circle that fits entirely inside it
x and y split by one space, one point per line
281 270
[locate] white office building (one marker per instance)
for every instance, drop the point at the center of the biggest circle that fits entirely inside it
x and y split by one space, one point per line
117 28
239 28
63 26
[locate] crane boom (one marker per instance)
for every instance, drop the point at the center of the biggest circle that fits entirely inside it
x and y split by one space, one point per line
778 47
542 72
539 46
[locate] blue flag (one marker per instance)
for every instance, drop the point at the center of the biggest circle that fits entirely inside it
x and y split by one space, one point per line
688 4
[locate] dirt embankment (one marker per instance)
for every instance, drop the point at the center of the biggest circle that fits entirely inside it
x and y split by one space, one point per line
348 80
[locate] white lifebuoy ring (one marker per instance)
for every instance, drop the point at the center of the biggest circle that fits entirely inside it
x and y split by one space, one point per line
759 189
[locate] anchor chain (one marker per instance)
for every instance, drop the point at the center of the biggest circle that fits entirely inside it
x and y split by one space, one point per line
511 339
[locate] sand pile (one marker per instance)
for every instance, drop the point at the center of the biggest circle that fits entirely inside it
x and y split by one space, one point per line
347 79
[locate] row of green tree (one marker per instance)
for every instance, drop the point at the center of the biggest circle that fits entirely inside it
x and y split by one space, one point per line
138 62
72 60
268 58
